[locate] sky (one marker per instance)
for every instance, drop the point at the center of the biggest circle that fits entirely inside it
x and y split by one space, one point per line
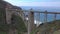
43 3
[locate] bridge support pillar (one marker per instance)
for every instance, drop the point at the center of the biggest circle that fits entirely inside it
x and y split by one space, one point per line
30 22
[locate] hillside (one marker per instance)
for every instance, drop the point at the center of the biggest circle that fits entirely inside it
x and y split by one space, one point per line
4 27
47 28
51 26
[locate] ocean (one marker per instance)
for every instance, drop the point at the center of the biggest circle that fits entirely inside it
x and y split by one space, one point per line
50 17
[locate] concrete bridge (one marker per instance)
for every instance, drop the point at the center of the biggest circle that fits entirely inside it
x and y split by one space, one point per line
29 22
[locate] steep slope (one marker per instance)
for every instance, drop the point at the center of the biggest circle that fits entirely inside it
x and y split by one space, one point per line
18 23
47 28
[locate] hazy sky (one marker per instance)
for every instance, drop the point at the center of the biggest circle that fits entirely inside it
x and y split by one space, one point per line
44 3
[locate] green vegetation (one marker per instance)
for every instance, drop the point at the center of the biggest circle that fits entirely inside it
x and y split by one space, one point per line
18 23
34 31
54 25
1 32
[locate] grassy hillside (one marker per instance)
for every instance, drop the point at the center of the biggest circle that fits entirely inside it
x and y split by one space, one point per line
18 23
48 27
